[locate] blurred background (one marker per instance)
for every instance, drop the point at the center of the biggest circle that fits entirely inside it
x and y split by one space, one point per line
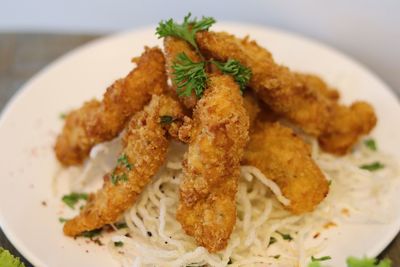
35 32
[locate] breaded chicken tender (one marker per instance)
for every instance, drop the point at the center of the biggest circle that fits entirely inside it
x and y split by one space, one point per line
144 151
219 132
173 47
285 158
301 99
99 121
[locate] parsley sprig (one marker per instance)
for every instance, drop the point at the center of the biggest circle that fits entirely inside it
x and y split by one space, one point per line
187 30
189 76
240 73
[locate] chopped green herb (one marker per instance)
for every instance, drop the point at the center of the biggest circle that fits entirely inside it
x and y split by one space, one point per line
166 119
276 256
74 198
8 260
116 178
372 166
121 225
272 240
368 262
91 234
329 182
118 244
63 116
285 236
187 30
314 264
240 73
324 258
62 220
371 144
230 261
189 76
124 162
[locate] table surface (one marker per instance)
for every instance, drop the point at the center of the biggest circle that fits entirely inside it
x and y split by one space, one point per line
23 55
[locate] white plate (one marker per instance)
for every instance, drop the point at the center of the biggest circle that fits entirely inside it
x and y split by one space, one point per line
30 122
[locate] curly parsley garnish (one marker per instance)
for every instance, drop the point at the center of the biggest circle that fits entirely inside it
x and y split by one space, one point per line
189 76
117 178
187 30
8 260
73 198
371 144
124 162
240 73
372 166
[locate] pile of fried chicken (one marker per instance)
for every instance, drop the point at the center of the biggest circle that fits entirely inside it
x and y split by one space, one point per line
223 128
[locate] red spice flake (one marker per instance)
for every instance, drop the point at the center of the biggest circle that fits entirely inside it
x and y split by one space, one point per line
316 235
329 225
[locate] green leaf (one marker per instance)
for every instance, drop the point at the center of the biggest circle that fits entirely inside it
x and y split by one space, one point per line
240 73
166 119
187 30
189 76
92 233
371 144
324 258
124 162
62 116
368 262
285 236
73 198
372 166
121 225
8 260
272 240
62 220
314 264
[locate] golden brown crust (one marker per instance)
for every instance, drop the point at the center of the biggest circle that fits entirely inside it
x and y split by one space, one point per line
145 146
305 100
96 121
346 126
173 47
286 159
219 132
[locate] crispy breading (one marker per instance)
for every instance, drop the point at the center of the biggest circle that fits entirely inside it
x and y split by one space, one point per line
315 83
252 107
301 99
285 158
99 121
173 47
207 208
144 146
346 126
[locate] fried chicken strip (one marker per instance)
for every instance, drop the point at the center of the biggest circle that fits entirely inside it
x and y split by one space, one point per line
173 47
219 132
144 151
285 158
297 98
99 121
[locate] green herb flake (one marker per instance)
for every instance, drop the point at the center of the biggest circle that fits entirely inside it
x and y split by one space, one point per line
276 256
372 166
165 119
187 30
116 178
62 220
324 258
92 233
124 162
230 261
62 116
73 198
368 262
189 76
9 260
240 73
371 144
272 240
285 236
119 244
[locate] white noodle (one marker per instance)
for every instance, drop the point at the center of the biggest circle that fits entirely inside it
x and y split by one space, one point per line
260 208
